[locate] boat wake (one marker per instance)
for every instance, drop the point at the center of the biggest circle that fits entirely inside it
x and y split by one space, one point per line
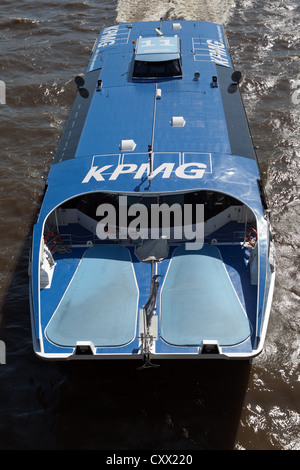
216 11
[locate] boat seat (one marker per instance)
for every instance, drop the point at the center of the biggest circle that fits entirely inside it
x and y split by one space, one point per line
101 302
198 301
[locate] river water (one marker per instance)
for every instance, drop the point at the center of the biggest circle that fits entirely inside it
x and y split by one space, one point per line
180 406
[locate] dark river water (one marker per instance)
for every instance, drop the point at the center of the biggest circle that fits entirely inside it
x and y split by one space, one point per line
180 406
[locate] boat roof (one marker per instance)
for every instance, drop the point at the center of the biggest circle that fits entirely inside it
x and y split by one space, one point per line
194 123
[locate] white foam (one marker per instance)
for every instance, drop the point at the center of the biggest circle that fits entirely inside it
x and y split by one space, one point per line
216 11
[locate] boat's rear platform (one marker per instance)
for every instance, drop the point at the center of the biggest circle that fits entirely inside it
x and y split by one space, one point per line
94 306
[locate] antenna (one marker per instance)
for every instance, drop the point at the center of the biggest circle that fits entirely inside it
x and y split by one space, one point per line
150 147
158 30
150 150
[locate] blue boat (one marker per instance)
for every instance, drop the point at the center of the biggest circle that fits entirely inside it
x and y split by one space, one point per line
153 239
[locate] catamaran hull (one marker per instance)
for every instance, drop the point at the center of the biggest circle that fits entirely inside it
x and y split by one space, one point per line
158 124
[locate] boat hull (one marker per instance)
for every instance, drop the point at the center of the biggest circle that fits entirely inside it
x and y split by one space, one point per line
158 124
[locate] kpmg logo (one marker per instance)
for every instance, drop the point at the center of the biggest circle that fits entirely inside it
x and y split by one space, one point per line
2 352
155 165
217 52
109 36
186 171
2 92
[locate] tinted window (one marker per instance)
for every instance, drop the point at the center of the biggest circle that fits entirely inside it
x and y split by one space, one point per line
168 68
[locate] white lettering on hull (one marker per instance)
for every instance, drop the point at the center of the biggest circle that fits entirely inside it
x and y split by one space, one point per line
217 52
194 170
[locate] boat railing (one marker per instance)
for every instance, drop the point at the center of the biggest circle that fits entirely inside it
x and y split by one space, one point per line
67 241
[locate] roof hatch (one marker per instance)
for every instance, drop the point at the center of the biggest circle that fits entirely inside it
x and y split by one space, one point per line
157 57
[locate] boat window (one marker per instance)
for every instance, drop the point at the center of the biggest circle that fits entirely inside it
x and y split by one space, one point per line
161 69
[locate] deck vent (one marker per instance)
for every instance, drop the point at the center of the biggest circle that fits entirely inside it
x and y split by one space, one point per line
178 121
127 145
176 26
84 348
209 347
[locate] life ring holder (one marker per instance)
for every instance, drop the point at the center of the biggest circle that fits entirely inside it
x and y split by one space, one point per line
252 236
54 240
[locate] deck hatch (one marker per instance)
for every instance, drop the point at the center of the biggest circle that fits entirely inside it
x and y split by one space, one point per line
157 57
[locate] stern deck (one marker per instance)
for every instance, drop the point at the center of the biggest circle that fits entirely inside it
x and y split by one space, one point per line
97 295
